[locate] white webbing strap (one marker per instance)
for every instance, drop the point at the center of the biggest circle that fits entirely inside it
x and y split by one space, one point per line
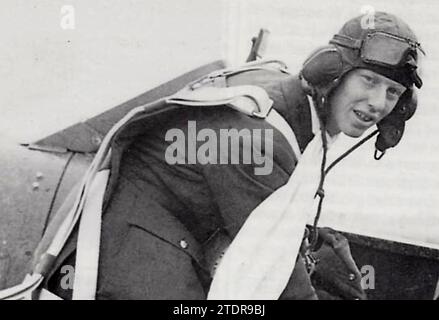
89 235
24 290
28 290
277 121
248 99
263 64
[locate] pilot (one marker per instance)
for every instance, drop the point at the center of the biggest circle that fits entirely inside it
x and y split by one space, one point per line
182 230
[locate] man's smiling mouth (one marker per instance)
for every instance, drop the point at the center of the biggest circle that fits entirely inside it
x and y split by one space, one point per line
362 116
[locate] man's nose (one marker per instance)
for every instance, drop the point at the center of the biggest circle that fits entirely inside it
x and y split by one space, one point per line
377 99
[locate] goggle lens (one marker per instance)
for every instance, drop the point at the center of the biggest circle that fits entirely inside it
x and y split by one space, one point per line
395 52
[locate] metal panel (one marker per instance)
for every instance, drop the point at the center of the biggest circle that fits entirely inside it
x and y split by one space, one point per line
400 271
29 181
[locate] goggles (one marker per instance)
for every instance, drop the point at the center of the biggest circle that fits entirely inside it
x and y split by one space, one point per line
387 50
383 49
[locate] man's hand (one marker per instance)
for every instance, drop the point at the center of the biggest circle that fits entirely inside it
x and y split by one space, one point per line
336 275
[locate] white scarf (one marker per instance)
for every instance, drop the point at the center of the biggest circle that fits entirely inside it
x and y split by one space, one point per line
259 262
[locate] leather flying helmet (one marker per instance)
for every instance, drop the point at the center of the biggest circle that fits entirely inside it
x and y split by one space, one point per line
390 49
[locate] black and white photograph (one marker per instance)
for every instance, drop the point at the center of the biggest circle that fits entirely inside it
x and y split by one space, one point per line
227 150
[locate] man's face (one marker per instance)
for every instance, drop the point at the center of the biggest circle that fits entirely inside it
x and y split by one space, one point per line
362 99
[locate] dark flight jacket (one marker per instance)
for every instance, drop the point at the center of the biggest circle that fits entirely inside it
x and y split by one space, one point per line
165 225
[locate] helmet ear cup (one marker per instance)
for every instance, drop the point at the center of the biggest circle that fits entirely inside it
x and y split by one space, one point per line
406 106
323 66
391 128
390 133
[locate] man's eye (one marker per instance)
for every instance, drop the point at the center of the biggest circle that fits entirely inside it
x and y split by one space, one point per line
393 93
368 79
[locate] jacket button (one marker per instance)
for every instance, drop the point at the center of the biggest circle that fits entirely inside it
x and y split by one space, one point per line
351 277
183 244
